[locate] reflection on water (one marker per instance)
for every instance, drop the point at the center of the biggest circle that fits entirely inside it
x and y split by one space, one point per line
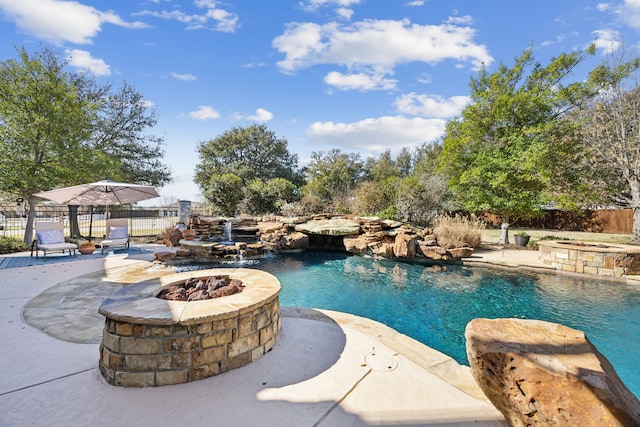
435 306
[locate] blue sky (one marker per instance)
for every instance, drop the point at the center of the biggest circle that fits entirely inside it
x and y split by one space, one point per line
359 75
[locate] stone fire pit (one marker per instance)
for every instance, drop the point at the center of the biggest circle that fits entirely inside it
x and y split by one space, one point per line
149 342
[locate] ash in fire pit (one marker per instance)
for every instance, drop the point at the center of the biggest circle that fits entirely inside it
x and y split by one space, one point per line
202 288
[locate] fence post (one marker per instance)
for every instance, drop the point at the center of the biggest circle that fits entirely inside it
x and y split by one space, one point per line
185 211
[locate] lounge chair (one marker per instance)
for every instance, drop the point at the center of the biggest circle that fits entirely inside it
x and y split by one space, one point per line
50 238
117 234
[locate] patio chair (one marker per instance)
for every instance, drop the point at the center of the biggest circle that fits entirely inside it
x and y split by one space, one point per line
50 238
117 234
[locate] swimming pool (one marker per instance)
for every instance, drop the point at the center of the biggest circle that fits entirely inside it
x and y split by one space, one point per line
434 307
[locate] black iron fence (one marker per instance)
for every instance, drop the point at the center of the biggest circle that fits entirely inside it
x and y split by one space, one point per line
143 221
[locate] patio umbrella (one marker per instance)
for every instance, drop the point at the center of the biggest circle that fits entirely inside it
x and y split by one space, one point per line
100 193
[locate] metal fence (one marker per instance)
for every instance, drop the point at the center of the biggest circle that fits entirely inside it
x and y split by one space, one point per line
143 221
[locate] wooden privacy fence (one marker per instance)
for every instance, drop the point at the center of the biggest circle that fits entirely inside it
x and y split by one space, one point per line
613 221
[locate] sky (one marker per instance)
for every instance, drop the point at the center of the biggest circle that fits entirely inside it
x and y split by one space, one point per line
362 76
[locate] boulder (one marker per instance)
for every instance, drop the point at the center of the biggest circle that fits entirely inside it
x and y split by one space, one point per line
459 253
383 249
269 227
404 246
330 227
432 252
539 374
296 240
358 244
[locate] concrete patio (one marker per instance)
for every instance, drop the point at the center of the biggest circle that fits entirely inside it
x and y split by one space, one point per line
327 369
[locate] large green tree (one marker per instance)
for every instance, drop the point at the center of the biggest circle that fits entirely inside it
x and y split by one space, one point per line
60 128
513 149
332 175
248 153
610 125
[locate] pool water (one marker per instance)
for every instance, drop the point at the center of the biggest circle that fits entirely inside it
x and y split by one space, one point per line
434 307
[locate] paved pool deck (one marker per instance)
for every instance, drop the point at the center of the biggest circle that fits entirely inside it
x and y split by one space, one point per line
327 369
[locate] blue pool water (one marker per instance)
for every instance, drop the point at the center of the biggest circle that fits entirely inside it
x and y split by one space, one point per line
434 307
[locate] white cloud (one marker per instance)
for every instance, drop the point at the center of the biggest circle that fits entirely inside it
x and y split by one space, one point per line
316 4
83 60
377 135
377 44
59 21
344 13
603 6
359 81
214 18
415 3
629 13
261 115
607 40
204 112
184 77
431 105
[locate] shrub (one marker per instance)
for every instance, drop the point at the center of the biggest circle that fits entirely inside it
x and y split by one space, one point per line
377 197
458 231
11 244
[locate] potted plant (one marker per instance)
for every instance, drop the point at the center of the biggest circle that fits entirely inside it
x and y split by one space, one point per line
86 247
188 233
522 238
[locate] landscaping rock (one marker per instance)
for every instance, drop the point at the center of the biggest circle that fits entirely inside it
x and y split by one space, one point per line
539 374
404 246
296 240
331 227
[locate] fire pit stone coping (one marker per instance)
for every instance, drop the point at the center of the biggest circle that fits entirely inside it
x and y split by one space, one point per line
148 341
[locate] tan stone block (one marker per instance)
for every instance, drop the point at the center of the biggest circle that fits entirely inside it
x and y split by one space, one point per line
208 356
130 345
158 331
264 319
217 339
108 374
147 362
235 362
258 353
201 328
180 330
181 360
245 326
269 344
116 361
222 324
573 255
275 307
134 379
590 270
608 262
201 372
182 344
111 341
266 334
138 331
124 329
569 268
244 345
171 377
580 267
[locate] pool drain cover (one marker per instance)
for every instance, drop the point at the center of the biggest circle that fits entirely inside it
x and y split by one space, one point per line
379 361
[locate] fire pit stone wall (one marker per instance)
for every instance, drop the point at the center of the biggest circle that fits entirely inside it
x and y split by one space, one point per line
149 342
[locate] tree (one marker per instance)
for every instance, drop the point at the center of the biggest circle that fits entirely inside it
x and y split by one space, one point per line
268 197
332 175
611 134
250 153
225 192
50 122
511 151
